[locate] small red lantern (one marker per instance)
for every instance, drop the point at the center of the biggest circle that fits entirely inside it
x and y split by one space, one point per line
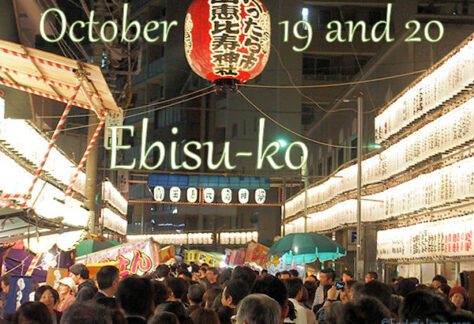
227 40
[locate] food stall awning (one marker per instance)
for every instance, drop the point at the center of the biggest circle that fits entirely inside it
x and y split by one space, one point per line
54 77
17 225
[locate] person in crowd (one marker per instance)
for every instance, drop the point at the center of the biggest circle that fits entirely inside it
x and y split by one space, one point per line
212 275
458 298
32 312
263 273
311 290
404 287
86 288
177 289
164 318
107 281
444 290
233 293
274 288
177 309
364 310
195 297
89 312
50 297
284 275
67 292
185 275
204 316
245 274
379 291
326 280
162 272
437 281
135 298
294 273
346 276
210 296
202 272
424 307
371 276
259 309
5 287
224 277
296 290
160 292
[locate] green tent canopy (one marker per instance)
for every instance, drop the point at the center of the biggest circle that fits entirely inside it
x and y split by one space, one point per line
90 246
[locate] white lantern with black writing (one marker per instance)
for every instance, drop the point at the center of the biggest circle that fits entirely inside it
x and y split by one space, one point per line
226 195
209 195
260 196
175 194
192 195
159 193
244 196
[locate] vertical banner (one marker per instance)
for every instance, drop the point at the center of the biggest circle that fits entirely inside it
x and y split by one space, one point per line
20 289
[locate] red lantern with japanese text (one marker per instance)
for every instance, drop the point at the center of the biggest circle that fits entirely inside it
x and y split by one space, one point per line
227 40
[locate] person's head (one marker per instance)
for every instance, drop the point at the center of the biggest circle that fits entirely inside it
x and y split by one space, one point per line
437 281
352 289
424 306
33 313
264 272
458 296
311 288
5 283
160 292
162 272
274 288
66 287
185 275
177 288
347 275
204 316
47 295
234 292
210 296
86 313
212 274
365 310
196 294
79 273
444 290
285 275
295 288
108 279
135 296
164 318
404 287
294 273
377 290
312 278
245 274
258 309
202 272
174 307
327 276
371 276
224 276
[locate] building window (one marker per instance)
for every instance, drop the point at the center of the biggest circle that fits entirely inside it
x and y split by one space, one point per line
354 148
340 156
320 168
324 17
329 165
307 115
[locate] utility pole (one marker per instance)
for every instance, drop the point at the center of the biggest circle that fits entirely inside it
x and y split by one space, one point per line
359 266
91 176
304 173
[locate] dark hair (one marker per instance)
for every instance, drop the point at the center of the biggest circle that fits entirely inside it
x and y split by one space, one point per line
294 273
365 310
238 289
162 271
225 276
41 290
164 318
177 308
106 276
329 273
204 316
225 315
377 290
311 288
445 288
80 269
348 273
245 274
285 273
196 293
214 270
32 313
86 313
404 287
135 296
211 294
294 286
177 286
349 284
160 292
272 287
373 274
423 305
6 279
186 274
440 278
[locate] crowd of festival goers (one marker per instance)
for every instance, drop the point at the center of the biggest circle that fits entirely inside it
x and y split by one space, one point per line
206 295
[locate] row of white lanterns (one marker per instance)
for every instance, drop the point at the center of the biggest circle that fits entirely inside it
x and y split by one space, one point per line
113 221
227 238
209 195
111 195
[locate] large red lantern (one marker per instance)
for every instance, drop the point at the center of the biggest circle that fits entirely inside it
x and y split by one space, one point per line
227 40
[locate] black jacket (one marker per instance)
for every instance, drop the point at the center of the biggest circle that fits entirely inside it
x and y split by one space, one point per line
86 291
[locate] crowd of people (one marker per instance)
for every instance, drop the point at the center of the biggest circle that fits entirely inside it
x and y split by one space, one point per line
205 295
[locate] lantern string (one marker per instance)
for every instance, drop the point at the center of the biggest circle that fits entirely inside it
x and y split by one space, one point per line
154 104
390 77
151 110
290 130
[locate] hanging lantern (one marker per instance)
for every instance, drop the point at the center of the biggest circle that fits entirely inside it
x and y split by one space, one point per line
227 41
